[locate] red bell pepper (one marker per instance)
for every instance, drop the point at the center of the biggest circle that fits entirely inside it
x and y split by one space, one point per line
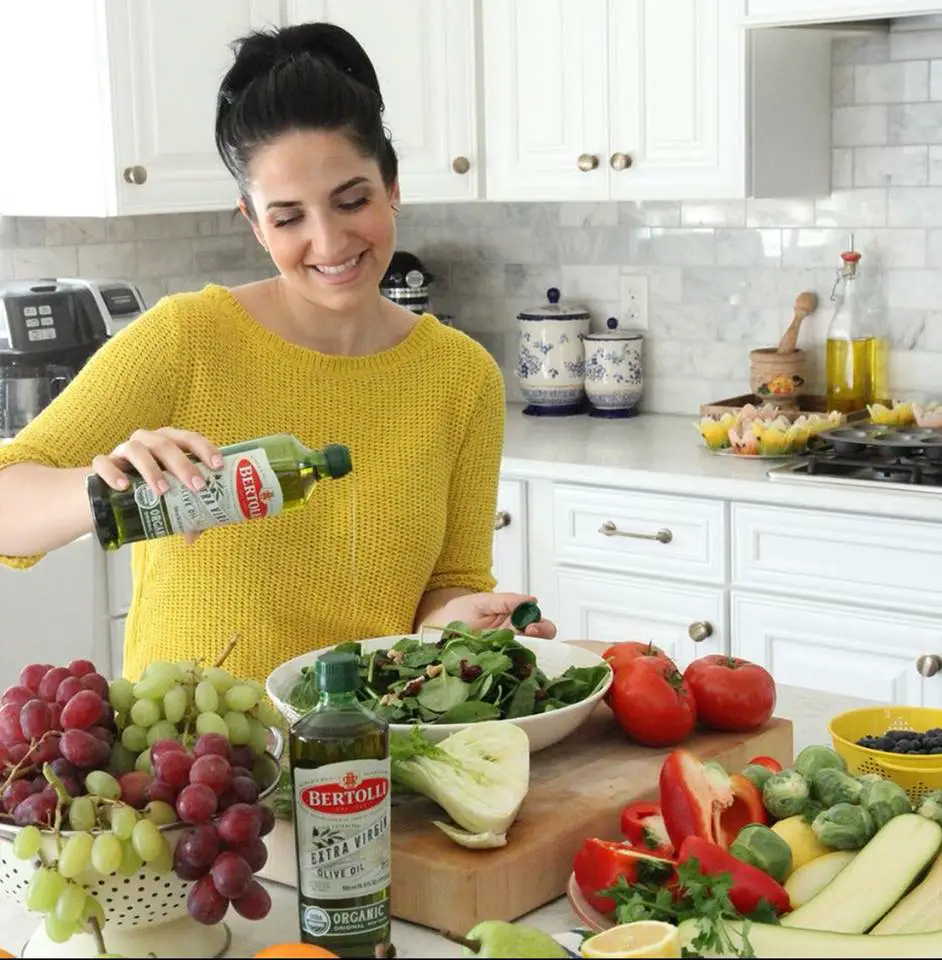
747 807
692 798
770 763
749 884
599 863
643 827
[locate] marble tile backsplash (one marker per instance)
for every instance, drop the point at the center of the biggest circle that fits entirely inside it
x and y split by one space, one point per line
709 281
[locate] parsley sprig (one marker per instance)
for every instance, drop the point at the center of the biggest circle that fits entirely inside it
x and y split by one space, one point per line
697 897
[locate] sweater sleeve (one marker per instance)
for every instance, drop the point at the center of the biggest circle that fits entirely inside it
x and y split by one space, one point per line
128 384
466 557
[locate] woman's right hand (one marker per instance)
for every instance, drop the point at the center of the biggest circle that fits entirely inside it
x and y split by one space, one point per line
152 452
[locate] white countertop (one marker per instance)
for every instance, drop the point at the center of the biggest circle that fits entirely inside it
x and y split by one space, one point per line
664 454
808 710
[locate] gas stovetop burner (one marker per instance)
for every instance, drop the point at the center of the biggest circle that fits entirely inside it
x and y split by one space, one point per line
872 463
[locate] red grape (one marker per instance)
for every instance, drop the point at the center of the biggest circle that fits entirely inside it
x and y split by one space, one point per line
55 716
18 695
34 718
212 743
102 733
158 790
255 903
15 794
50 682
173 767
82 711
231 875
68 689
241 772
82 749
196 851
62 768
243 757
96 682
162 746
39 808
78 668
238 824
17 752
196 803
184 869
134 788
38 784
10 730
4 755
31 675
205 903
254 853
241 790
107 715
267 820
212 770
48 749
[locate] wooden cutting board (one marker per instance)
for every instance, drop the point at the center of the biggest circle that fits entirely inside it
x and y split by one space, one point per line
577 790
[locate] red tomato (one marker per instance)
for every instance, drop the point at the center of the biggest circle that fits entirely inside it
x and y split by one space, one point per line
622 654
731 694
653 704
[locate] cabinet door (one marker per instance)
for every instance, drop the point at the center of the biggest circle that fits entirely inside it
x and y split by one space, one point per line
677 101
424 55
838 649
510 537
167 59
669 614
116 647
771 12
546 90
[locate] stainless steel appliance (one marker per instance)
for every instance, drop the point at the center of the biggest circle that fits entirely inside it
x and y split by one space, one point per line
406 282
48 331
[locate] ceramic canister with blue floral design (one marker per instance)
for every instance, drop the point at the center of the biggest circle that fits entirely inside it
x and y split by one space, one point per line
614 378
550 359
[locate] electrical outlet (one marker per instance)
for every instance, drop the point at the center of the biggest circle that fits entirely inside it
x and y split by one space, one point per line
633 302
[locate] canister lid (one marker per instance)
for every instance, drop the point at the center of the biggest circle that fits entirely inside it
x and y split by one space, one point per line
554 310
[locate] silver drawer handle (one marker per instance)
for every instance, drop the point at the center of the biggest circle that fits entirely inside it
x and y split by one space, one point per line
608 529
929 664
501 520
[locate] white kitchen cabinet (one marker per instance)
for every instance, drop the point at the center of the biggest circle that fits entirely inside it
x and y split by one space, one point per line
650 99
110 104
837 648
424 55
510 537
116 645
786 12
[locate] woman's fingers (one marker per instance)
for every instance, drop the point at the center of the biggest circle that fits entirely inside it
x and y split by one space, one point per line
155 452
196 444
110 472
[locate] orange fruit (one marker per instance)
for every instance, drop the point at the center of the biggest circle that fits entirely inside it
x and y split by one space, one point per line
295 950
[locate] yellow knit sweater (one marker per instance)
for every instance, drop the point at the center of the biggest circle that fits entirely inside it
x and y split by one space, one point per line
424 424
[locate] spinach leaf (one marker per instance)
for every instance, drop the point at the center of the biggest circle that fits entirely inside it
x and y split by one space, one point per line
523 700
577 683
454 653
492 662
406 644
421 657
443 692
471 711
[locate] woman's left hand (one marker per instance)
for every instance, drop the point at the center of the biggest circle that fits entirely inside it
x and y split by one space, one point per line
491 611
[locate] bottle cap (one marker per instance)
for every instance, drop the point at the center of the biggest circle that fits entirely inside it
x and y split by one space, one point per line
336 672
337 457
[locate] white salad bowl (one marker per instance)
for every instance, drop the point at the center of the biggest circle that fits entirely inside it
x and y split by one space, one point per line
544 729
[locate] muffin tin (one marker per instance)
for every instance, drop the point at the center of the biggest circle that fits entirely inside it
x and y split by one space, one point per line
898 441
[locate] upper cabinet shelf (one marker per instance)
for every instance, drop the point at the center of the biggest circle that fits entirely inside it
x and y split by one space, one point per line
485 99
764 13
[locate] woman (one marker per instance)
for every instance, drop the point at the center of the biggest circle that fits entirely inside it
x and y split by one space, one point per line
315 351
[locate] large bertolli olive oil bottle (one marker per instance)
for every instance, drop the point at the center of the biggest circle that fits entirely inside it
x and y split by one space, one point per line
340 778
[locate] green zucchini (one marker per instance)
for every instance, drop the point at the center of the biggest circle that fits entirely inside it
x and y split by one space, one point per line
772 940
874 881
920 911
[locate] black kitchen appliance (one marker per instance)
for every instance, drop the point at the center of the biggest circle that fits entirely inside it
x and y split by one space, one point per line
48 331
406 282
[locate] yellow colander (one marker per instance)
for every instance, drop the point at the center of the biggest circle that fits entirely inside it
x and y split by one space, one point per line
916 774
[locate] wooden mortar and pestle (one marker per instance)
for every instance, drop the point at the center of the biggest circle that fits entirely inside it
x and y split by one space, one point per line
777 374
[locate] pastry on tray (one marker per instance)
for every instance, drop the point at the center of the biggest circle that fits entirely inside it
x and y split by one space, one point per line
763 431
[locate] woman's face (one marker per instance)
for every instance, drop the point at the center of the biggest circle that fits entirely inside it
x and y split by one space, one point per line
325 216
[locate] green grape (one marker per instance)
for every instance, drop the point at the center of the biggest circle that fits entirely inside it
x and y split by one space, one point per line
241 697
83 813
76 855
123 819
134 738
257 686
144 762
56 930
175 703
122 759
70 903
27 842
221 679
145 713
121 694
91 909
258 736
160 813
43 891
158 678
163 730
211 723
106 853
101 784
163 862
130 860
238 726
267 715
206 697
148 840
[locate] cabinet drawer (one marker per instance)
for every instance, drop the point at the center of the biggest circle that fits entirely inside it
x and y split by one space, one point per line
860 559
119 582
620 530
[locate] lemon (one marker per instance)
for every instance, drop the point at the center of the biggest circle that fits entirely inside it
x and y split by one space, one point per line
646 938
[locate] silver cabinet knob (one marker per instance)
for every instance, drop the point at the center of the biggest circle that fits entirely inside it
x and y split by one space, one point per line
461 165
587 162
700 631
501 520
620 161
136 175
928 664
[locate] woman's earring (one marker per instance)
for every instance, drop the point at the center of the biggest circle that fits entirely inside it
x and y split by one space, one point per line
395 209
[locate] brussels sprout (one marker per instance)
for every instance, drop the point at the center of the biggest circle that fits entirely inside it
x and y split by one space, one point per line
785 794
885 800
757 774
931 806
830 786
815 758
845 826
758 845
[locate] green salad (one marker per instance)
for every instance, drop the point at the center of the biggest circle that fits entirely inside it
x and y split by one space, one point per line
465 677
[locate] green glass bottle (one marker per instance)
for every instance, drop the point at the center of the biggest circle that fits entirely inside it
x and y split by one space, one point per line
340 778
258 478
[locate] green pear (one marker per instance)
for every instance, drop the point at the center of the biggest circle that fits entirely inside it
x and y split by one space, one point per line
494 938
